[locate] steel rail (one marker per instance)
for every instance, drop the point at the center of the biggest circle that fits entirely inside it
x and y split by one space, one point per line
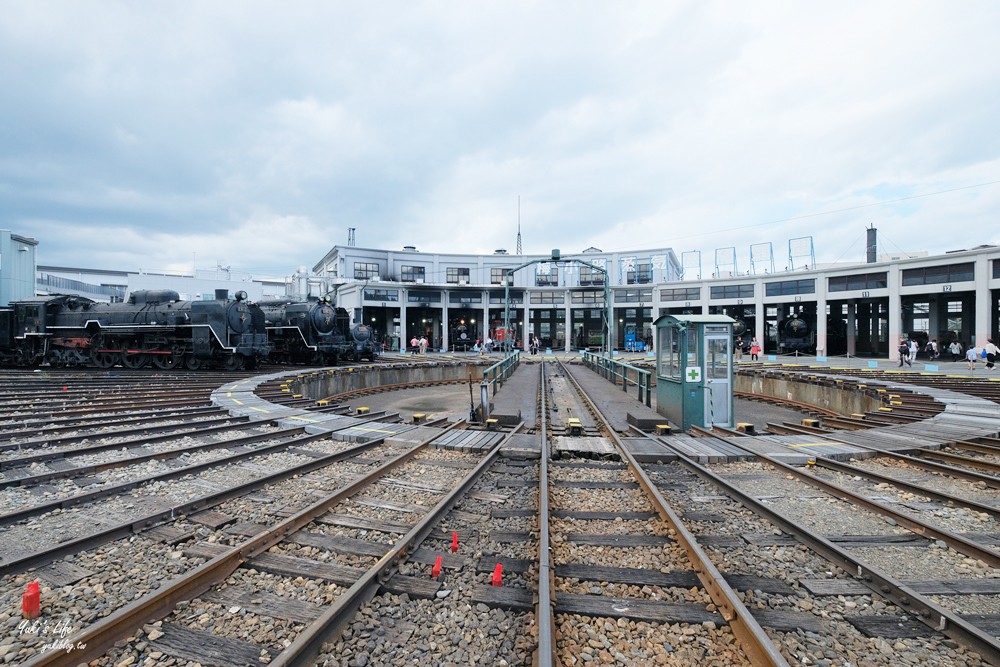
545 651
961 460
750 635
307 645
62 454
184 428
44 426
848 469
976 445
91 468
46 556
957 542
915 461
101 636
924 609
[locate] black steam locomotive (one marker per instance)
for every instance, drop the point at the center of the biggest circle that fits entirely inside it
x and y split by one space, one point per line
316 332
153 328
797 333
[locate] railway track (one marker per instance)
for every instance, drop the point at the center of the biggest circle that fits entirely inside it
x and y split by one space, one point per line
602 560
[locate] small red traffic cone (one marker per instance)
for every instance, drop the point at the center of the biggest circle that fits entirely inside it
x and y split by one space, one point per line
436 570
497 575
454 543
31 602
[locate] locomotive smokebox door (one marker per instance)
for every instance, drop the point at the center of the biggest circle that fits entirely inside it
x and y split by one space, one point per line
694 369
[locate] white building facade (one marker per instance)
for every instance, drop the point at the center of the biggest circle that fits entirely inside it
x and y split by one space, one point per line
858 309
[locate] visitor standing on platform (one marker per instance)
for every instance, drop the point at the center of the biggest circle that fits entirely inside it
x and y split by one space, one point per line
991 353
754 349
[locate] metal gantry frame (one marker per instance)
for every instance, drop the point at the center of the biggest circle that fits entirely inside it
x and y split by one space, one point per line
606 320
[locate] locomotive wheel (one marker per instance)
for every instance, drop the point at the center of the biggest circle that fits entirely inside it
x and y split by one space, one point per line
168 361
103 359
135 360
233 362
192 363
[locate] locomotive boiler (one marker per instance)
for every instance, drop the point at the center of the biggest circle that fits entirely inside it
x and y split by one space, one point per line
154 327
316 332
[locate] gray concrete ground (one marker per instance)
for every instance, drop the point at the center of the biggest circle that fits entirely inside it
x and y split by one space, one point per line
452 401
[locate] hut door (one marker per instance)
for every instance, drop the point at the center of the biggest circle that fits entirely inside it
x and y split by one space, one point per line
718 376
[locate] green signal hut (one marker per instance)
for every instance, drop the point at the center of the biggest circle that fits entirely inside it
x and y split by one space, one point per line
694 369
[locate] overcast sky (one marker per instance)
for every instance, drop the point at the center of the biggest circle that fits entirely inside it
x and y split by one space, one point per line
158 135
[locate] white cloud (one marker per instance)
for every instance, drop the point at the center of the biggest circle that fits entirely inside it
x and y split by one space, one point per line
255 134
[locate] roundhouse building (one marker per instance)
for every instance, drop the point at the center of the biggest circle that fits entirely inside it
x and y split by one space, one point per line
858 309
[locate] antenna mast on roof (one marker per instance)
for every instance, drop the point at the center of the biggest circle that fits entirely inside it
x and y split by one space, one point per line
519 251
350 236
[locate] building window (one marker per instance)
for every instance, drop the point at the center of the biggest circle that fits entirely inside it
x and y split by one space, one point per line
549 278
996 268
547 297
381 295
732 292
681 294
587 296
465 297
365 271
423 296
789 287
497 274
497 297
861 281
641 275
412 274
590 276
633 295
934 275
458 275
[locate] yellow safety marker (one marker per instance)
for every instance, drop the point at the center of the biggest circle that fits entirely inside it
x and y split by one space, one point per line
362 411
885 409
323 401
745 427
296 395
895 402
574 426
663 429
418 417
492 423
808 421
858 415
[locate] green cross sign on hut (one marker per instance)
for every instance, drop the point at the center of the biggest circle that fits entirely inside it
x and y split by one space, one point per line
693 374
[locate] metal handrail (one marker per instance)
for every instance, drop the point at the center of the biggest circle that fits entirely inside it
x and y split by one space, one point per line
618 372
495 375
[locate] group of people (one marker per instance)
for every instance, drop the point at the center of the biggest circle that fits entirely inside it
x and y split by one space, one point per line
908 350
988 352
419 345
740 347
